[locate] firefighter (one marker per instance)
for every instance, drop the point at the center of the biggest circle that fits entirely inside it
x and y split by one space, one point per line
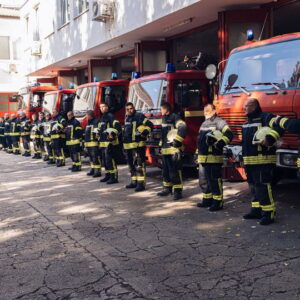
47 139
15 133
25 134
2 138
36 135
136 130
73 140
8 141
92 145
109 131
171 151
58 124
259 158
292 126
214 134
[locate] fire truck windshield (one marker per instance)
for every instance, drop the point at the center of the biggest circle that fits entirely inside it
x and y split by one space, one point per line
84 100
148 94
49 102
274 66
37 99
23 100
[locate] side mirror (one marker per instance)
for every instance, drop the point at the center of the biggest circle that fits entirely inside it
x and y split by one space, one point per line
77 96
232 79
45 102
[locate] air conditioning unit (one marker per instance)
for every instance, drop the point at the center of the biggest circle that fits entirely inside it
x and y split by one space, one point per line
12 68
103 10
36 48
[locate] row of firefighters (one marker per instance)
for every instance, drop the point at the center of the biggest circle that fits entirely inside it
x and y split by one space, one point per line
102 137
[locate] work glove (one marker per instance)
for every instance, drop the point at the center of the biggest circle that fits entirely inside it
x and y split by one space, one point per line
219 145
176 144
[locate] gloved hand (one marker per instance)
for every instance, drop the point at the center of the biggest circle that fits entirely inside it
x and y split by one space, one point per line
269 141
176 157
144 134
219 144
176 144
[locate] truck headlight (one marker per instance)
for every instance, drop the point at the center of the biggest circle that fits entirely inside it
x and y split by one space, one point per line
289 159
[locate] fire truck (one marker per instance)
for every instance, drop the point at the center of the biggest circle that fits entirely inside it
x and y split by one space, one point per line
60 100
187 91
89 96
268 70
30 99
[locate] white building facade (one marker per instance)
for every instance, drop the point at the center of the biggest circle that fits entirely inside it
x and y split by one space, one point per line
77 40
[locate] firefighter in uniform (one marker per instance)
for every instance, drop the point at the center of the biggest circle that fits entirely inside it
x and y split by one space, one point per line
49 157
25 134
73 140
36 136
92 145
259 158
57 135
2 142
8 142
214 134
109 131
136 130
292 126
15 133
171 152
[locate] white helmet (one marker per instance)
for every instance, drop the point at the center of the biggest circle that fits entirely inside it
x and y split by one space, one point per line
260 135
171 135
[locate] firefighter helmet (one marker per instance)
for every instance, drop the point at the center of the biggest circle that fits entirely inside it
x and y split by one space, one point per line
110 131
171 135
260 135
215 134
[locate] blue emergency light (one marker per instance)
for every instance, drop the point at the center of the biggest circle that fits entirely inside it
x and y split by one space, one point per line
135 75
71 85
170 68
114 76
37 84
96 79
250 35
60 87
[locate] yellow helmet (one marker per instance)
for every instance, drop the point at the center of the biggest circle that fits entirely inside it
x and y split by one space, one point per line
141 128
171 135
260 135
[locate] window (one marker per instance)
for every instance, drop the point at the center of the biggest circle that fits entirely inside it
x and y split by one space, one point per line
263 68
148 94
66 103
84 101
49 102
80 6
64 6
187 94
114 96
17 49
37 99
4 47
36 25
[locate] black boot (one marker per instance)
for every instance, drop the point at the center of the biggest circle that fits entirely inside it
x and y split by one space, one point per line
267 218
216 205
255 213
131 185
76 169
46 158
91 172
72 168
51 162
97 173
177 194
140 187
112 179
59 163
105 178
205 203
34 156
165 192
38 156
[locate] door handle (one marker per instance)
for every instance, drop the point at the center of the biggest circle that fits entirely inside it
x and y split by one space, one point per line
272 93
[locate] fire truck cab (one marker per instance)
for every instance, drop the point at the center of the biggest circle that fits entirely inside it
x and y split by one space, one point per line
187 91
90 95
60 100
268 70
30 99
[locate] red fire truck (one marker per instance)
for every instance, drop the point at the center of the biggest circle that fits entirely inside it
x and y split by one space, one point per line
31 98
187 91
268 70
8 103
60 100
90 95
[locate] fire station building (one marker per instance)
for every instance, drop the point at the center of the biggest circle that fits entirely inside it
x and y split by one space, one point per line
77 40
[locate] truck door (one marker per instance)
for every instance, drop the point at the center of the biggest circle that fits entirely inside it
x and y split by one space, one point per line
188 102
